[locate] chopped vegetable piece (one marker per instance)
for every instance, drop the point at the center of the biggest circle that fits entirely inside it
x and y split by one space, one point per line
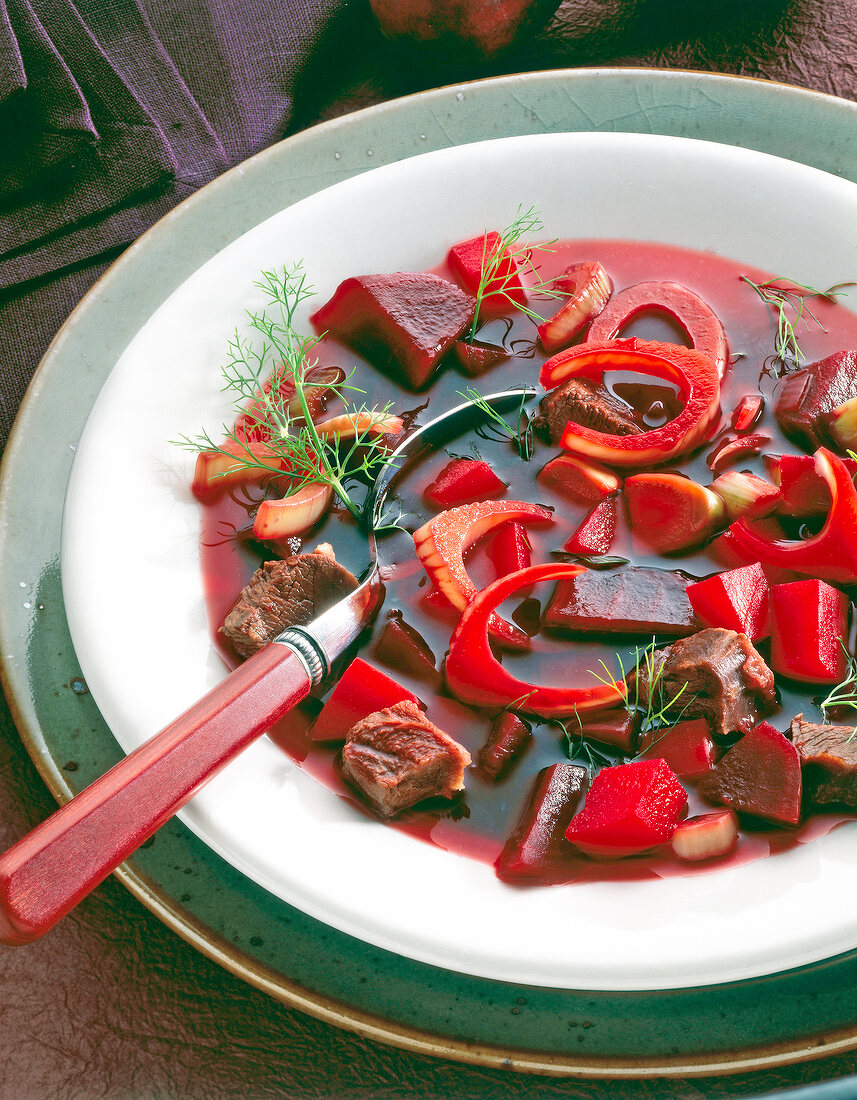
509 737
403 648
469 259
595 535
842 424
588 287
362 689
476 358
747 411
533 852
808 395
699 388
580 480
635 600
630 808
807 620
441 543
216 470
404 322
294 515
803 492
509 550
831 555
474 675
349 424
828 756
737 600
671 512
462 481
760 775
746 495
698 320
732 450
687 748
617 728
709 836
318 384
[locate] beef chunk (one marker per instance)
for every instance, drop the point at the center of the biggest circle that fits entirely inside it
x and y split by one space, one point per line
829 758
397 757
285 593
636 600
580 402
727 681
809 394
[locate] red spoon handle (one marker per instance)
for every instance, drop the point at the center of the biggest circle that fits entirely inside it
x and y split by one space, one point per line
50 870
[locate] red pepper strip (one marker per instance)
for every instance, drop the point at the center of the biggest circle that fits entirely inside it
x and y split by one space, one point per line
698 320
474 675
831 555
695 374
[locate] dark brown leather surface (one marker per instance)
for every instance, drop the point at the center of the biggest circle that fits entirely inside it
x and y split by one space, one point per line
114 1005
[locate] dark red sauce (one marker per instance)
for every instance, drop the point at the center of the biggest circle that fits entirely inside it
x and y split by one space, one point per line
477 822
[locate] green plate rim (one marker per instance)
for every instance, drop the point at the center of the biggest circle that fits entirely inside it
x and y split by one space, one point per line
470 1020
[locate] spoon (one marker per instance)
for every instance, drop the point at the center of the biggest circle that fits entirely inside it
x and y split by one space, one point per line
46 873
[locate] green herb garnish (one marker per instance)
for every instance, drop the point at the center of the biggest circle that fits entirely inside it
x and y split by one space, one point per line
845 693
789 302
655 711
519 431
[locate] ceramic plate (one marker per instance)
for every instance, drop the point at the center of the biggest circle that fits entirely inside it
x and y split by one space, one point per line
375 883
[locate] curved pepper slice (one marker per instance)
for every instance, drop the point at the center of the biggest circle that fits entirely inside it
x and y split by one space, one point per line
698 319
831 555
474 675
441 543
695 375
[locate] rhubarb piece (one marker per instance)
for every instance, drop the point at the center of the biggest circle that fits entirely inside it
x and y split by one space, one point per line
476 358
746 495
709 836
760 775
370 423
234 463
474 675
738 600
729 451
595 534
828 754
580 401
579 480
714 674
687 748
803 492
588 287
290 592
441 543
254 423
404 323
696 376
830 555
396 757
509 550
362 689
509 737
403 648
294 515
698 320
484 255
634 600
841 425
671 512
629 809
617 728
808 621
536 847
747 411
462 481
808 395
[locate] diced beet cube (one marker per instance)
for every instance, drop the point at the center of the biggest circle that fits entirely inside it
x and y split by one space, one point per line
509 550
508 738
760 775
633 600
404 323
463 481
470 258
476 358
579 479
595 535
709 836
535 847
738 600
617 728
403 648
808 395
808 619
687 747
629 809
361 690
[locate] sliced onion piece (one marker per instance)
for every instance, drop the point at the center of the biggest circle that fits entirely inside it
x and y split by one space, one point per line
217 470
349 424
293 515
589 287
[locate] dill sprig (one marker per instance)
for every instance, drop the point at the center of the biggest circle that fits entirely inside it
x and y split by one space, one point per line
490 279
845 692
265 378
789 302
520 430
578 748
656 710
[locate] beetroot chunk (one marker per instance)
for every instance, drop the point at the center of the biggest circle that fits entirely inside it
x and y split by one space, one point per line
508 738
404 323
629 809
809 394
470 259
463 481
362 689
687 748
534 850
813 651
829 758
510 549
596 533
737 600
402 647
760 775
636 600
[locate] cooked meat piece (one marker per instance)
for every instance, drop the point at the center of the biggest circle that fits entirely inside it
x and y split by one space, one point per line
579 401
829 758
285 593
636 600
727 681
397 757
